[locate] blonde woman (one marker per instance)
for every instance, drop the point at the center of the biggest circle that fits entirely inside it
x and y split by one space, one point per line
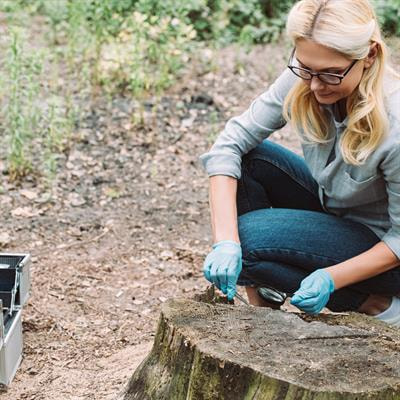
324 228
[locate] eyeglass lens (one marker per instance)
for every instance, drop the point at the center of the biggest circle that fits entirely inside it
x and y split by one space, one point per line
333 80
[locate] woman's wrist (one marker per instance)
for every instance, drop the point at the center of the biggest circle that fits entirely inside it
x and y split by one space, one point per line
220 238
222 242
340 276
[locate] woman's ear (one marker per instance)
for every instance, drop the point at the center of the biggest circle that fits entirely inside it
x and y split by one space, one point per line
373 52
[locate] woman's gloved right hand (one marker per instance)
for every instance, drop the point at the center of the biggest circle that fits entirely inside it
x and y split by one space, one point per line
223 265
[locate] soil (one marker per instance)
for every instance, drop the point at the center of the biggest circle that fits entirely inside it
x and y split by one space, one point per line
124 227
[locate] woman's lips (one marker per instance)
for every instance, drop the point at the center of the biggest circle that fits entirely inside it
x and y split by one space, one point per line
324 95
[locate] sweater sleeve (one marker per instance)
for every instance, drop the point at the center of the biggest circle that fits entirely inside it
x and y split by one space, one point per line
391 171
246 131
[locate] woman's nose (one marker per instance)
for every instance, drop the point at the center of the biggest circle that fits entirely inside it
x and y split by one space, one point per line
316 84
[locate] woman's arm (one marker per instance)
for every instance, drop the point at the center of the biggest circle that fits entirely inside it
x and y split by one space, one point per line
316 288
223 264
223 208
385 255
372 262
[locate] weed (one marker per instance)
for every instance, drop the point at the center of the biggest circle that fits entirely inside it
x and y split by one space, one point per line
20 110
58 124
29 118
147 55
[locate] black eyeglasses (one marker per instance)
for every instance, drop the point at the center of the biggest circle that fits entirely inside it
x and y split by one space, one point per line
326 77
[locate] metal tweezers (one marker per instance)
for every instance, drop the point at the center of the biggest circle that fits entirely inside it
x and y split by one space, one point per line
237 295
242 299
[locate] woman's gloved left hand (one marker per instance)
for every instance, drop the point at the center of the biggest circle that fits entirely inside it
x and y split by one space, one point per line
314 292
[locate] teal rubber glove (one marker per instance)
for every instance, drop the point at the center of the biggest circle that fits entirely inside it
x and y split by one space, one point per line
314 292
223 265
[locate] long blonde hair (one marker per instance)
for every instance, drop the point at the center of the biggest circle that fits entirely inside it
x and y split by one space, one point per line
349 27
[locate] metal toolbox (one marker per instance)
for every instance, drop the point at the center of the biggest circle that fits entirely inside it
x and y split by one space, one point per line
14 292
20 265
11 346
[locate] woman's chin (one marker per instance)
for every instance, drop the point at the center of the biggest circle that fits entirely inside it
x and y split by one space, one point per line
328 99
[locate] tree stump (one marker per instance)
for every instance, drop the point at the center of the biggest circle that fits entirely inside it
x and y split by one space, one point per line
219 351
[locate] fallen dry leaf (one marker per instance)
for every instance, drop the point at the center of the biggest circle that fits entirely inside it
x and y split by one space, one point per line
29 194
25 212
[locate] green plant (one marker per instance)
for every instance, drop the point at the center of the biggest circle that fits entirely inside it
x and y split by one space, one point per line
56 126
149 53
157 35
31 115
20 110
158 51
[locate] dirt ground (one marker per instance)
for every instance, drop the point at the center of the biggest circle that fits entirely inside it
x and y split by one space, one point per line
124 228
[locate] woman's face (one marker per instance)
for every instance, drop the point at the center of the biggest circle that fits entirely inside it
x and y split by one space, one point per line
318 58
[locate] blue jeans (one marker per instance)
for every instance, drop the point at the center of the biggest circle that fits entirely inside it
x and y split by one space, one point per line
285 233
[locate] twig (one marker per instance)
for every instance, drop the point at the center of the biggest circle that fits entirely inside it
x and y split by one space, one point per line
77 243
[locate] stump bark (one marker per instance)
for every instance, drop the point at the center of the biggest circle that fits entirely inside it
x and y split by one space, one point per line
216 351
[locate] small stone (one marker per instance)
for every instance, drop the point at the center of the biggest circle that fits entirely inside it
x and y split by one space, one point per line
5 238
76 200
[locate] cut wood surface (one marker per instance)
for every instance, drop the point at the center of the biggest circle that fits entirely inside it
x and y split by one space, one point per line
218 351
